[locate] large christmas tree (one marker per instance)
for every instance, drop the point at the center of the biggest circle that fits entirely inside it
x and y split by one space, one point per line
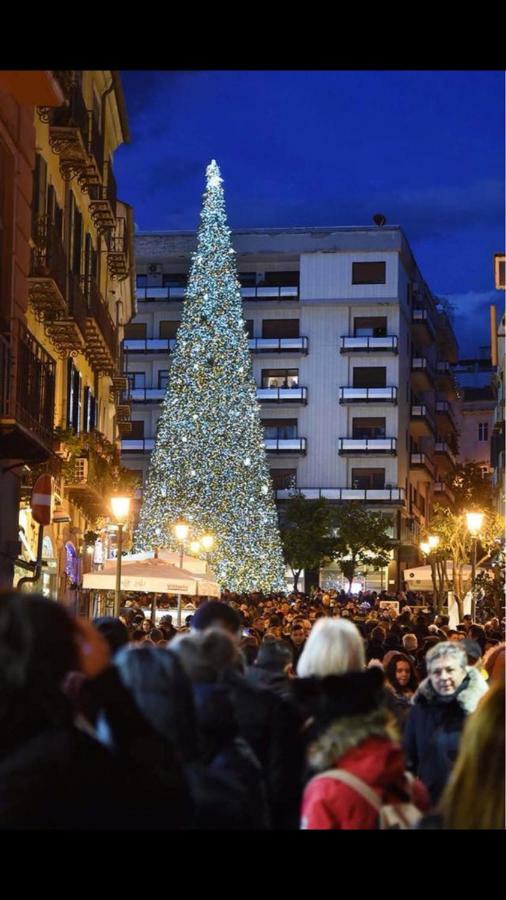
208 465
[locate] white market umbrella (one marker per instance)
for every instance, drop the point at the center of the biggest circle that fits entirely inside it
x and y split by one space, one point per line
150 576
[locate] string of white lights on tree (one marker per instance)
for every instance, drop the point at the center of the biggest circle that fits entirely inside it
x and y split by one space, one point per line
208 465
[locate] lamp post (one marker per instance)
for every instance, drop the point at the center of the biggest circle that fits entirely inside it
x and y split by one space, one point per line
474 524
120 507
181 529
428 547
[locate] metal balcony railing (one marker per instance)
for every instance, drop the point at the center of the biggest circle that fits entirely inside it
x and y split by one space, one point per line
423 317
285 445
73 116
137 445
49 260
149 345
421 411
368 395
444 408
97 310
273 292
27 384
368 445
444 449
439 487
387 343
282 395
279 345
147 395
160 293
421 460
368 495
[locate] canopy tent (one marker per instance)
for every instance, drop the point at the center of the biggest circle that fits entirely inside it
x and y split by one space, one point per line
151 576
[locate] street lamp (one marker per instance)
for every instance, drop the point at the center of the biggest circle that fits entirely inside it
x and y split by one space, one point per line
425 548
181 530
207 541
433 540
474 525
195 547
120 507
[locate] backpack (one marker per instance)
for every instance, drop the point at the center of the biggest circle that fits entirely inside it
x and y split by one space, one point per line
390 815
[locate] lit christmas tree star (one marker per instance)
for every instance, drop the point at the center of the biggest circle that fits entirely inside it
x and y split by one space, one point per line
209 465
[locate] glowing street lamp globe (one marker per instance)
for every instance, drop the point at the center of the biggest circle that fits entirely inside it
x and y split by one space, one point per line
195 546
120 507
207 541
474 522
181 530
433 540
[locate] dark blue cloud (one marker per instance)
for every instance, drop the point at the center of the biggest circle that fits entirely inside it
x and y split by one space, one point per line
331 148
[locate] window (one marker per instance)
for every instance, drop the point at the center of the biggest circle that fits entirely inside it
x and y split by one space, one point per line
282 479
168 329
247 279
88 409
6 236
141 281
368 273
368 479
280 279
76 236
73 397
369 428
280 378
369 376
175 279
483 431
369 326
137 380
249 326
137 432
39 187
136 331
280 328
163 379
280 429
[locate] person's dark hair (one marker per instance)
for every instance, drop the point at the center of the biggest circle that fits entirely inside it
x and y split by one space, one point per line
274 655
156 635
216 613
205 655
477 633
275 621
378 634
390 672
114 631
138 635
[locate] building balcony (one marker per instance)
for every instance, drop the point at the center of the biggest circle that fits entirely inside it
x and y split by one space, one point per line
368 395
422 374
282 395
270 292
421 461
48 271
137 445
101 337
286 445
152 294
27 396
69 132
445 415
422 423
410 532
147 395
84 485
446 379
103 203
279 345
445 455
117 250
149 345
422 326
67 332
442 493
387 344
372 446
394 495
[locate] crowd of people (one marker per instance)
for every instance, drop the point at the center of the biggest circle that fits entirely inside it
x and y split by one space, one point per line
261 713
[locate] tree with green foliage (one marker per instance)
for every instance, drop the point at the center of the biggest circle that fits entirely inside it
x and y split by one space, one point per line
209 464
471 488
307 534
361 539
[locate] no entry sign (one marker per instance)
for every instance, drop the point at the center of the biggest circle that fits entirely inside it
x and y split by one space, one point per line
41 500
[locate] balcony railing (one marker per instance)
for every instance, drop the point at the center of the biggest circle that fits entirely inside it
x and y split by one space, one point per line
368 495
160 293
137 445
147 395
444 449
443 408
273 292
68 332
368 445
149 345
421 460
421 411
368 395
388 343
442 490
27 395
285 445
103 202
279 345
69 133
117 250
282 395
101 344
423 317
48 271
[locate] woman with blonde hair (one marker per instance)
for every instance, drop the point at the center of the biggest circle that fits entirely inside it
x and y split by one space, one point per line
474 795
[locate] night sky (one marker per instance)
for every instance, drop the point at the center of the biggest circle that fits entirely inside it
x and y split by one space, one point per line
332 148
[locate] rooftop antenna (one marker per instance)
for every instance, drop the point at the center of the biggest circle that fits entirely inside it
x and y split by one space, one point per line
379 220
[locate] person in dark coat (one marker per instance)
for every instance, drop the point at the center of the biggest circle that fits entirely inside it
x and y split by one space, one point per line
401 683
272 667
441 704
54 773
376 644
268 723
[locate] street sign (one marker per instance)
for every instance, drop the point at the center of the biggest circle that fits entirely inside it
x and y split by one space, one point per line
41 499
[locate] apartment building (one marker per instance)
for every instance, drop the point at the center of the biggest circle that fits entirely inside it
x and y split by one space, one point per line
352 358
77 289
498 335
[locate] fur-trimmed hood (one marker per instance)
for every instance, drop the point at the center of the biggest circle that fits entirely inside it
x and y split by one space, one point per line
468 694
348 732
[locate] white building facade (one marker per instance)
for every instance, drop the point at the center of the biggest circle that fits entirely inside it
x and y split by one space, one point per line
352 359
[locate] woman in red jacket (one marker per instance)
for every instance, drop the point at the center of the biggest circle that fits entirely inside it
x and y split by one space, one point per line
355 733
